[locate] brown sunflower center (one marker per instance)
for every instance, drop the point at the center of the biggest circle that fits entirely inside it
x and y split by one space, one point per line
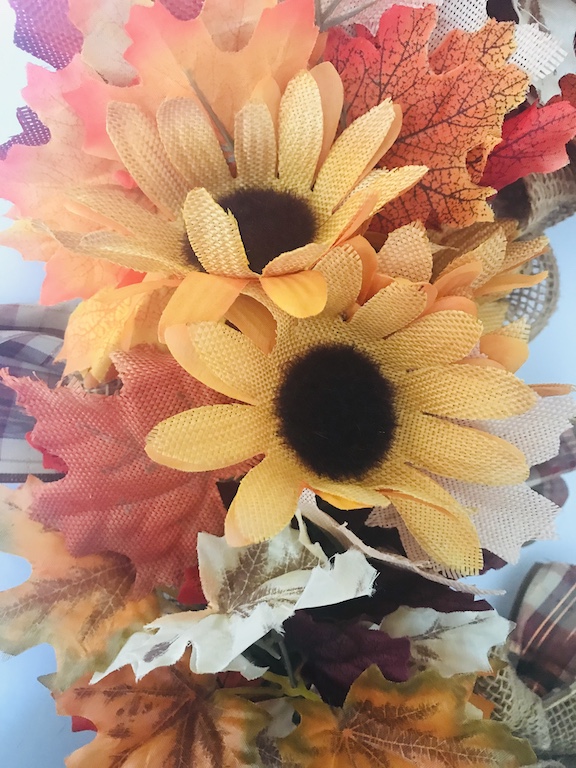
336 411
270 223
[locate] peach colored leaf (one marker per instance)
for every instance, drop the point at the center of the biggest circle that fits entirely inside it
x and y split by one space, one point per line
172 718
394 725
112 320
450 107
532 142
80 605
114 497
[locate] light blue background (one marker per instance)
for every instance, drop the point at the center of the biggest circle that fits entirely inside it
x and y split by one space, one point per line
31 734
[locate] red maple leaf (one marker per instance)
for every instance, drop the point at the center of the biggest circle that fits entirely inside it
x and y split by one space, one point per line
452 104
113 497
533 141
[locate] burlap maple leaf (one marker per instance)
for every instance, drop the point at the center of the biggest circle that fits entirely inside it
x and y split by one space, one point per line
114 498
453 106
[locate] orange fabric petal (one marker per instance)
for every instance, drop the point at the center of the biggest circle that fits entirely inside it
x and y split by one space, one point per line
200 296
509 352
302 294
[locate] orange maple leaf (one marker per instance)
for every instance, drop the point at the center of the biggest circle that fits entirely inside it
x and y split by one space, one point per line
172 718
80 605
453 103
422 723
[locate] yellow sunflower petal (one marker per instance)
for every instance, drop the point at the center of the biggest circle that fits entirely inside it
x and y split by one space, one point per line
451 541
467 392
234 359
347 495
294 261
519 253
459 280
342 270
214 236
255 146
397 480
351 157
407 253
127 252
302 294
179 342
117 210
380 187
300 134
463 453
389 310
436 339
192 145
265 502
332 97
199 297
209 437
507 282
138 144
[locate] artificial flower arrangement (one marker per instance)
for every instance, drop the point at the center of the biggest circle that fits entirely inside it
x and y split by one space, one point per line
290 419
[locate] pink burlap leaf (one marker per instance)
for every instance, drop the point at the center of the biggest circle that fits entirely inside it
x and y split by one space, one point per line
113 496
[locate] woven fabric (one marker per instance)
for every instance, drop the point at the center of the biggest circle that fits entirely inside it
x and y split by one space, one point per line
30 338
546 478
520 708
538 52
560 708
538 302
147 512
545 628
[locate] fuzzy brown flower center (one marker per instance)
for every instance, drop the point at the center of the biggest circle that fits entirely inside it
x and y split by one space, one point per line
271 222
335 410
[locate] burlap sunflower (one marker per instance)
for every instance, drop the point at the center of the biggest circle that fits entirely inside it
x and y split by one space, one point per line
268 211
360 410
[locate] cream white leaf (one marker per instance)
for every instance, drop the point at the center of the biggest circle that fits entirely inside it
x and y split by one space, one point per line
250 591
451 643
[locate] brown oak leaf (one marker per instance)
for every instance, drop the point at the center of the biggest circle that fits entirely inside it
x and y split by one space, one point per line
452 103
114 497
172 719
80 605
394 725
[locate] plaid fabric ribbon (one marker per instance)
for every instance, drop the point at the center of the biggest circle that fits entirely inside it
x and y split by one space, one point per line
544 640
547 478
30 338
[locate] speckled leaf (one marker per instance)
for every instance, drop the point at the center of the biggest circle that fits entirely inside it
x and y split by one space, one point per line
450 106
250 591
80 605
394 725
173 719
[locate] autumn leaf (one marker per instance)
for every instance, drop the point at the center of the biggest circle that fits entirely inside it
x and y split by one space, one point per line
391 725
114 497
114 319
173 719
451 643
80 605
250 591
334 654
451 106
533 141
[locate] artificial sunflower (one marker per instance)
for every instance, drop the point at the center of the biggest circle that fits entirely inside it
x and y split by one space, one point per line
360 410
285 194
472 269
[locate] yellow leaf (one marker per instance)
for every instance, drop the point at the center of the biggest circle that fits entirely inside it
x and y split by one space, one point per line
80 605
